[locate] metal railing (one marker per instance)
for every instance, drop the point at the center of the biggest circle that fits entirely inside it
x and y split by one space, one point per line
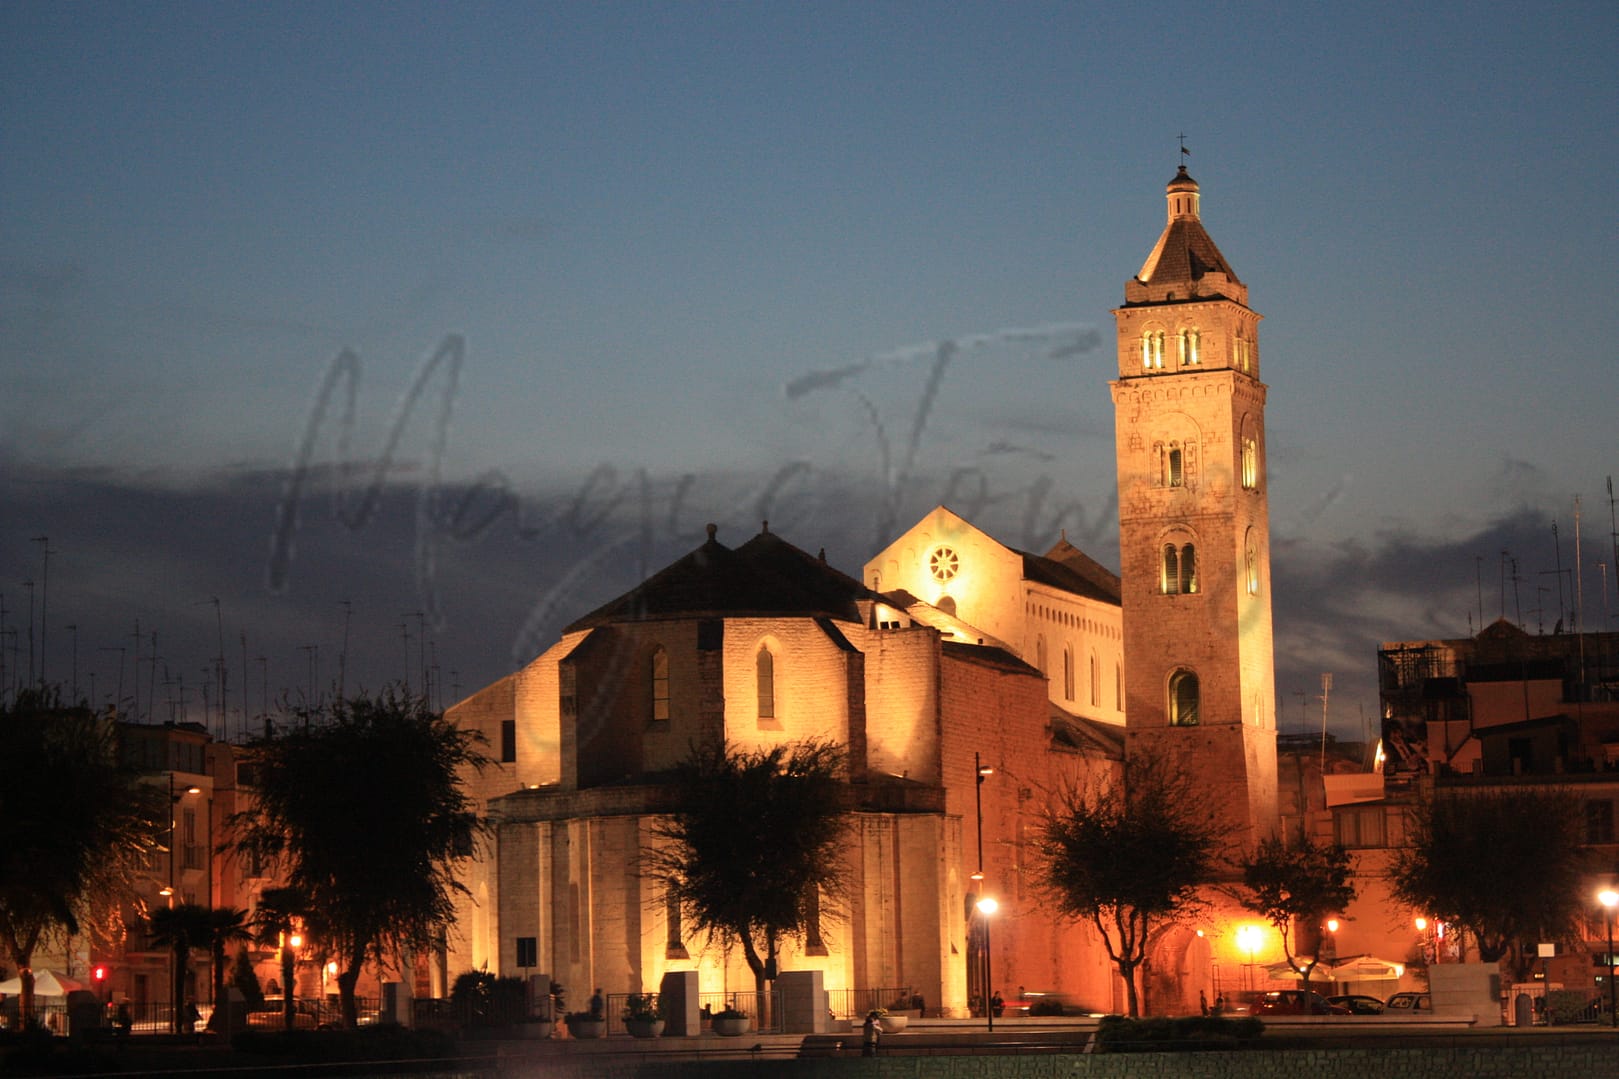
853 1004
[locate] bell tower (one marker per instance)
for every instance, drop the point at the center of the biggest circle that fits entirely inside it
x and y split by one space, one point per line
1194 523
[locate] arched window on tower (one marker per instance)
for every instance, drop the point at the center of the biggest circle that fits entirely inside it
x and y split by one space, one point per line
1169 576
766 683
660 686
1067 673
1250 564
1188 569
1191 352
1152 350
1174 473
1183 699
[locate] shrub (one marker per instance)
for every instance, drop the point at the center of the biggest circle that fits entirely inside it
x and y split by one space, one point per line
1120 1034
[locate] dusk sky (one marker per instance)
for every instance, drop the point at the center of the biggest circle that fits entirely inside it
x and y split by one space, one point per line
652 265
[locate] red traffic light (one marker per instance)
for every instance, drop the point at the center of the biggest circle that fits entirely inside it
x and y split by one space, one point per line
100 973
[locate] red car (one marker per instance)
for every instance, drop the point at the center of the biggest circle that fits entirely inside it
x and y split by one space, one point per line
1293 1002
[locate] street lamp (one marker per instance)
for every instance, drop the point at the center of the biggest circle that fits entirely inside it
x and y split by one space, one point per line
986 907
1249 938
1609 900
980 770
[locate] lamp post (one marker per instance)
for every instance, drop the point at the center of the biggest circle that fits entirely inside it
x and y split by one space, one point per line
1248 940
980 771
986 907
1609 900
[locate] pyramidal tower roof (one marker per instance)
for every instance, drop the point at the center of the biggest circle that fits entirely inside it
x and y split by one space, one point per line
1185 264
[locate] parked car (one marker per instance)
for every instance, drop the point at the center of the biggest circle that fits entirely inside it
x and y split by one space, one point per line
1034 1002
1409 1002
1358 1004
1293 1002
269 1015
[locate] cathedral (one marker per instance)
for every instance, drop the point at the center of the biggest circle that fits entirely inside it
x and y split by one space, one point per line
967 680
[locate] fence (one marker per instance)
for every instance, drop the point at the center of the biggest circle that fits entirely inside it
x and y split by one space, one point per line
855 1003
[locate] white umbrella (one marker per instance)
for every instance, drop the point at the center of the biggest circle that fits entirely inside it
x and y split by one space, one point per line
1362 968
47 983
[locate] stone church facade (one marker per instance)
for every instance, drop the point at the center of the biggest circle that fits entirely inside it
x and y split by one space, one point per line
968 681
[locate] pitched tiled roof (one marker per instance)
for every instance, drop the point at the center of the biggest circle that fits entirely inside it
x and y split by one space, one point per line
1067 567
1185 252
765 576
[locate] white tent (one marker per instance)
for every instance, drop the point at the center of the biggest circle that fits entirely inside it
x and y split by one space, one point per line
47 983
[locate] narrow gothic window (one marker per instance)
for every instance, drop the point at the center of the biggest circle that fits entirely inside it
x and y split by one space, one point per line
673 946
1250 462
1118 687
1169 578
1096 682
1040 653
1173 474
660 685
1068 673
1152 350
1188 569
1250 565
508 740
1183 699
1190 356
767 684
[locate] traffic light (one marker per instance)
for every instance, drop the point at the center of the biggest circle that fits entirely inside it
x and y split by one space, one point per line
100 974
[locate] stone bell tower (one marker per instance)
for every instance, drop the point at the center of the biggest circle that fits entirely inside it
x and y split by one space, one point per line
1194 524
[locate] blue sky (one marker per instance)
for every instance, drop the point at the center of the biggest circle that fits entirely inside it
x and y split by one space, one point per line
645 222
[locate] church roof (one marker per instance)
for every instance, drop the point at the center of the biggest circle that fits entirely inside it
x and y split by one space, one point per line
1067 567
1185 253
767 576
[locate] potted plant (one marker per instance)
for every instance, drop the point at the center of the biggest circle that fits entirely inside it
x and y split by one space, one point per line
730 1022
890 1022
586 1025
643 1016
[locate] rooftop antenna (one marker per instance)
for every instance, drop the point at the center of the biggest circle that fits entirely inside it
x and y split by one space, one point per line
1326 690
29 584
313 652
137 707
1557 549
1613 533
343 656
117 702
44 596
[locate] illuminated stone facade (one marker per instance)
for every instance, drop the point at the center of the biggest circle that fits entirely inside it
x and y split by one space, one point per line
1194 524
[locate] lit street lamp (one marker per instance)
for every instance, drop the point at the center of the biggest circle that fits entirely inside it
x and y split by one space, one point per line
1249 938
986 907
1610 899
981 770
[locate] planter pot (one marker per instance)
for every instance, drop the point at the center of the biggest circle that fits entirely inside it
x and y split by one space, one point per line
731 1028
536 1028
588 1028
644 1028
893 1024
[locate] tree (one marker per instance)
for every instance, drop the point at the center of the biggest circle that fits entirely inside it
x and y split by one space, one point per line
1128 854
79 826
361 808
274 922
1303 884
1503 865
755 845
180 928
226 926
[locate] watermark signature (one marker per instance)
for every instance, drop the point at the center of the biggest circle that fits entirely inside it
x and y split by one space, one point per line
615 526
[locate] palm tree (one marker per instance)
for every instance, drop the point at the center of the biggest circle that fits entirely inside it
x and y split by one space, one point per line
180 928
273 922
226 925
79 826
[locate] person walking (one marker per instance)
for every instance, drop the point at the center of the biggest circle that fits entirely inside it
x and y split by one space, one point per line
871 1033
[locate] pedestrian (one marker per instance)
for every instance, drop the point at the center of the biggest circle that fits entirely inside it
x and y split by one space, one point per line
1219 1004
1203 1002
190 1016
597 1009
125 1020
870 1033
997 1004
